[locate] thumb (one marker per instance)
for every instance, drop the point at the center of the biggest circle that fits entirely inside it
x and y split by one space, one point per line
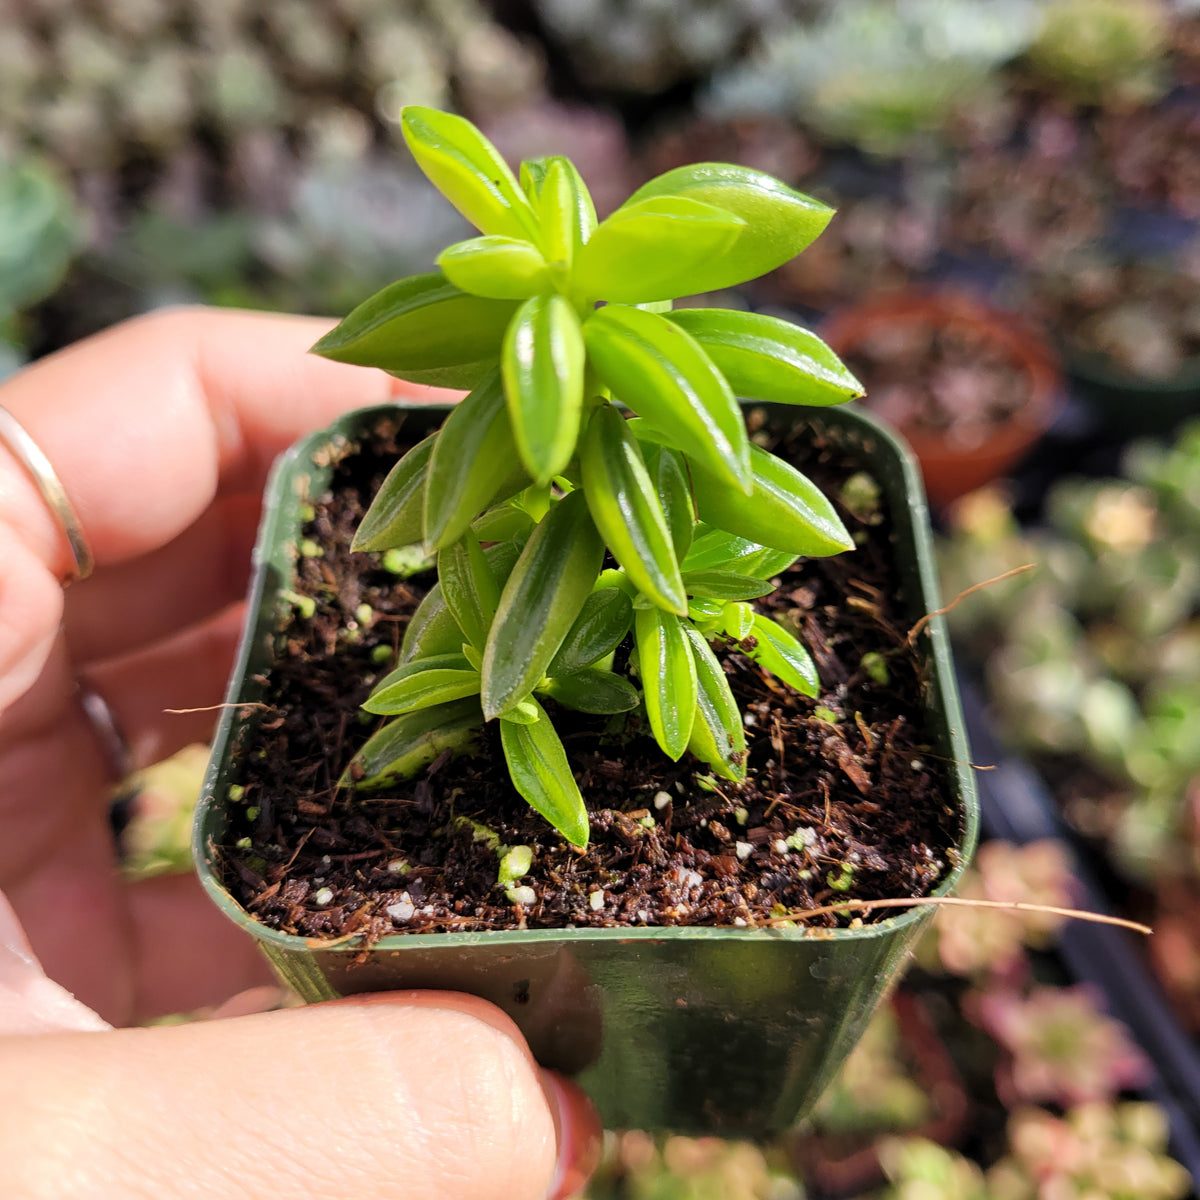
426 1095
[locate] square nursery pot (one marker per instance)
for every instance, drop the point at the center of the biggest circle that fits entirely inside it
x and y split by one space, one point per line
732 1031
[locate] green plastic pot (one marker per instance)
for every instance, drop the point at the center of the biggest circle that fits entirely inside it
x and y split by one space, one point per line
730 1031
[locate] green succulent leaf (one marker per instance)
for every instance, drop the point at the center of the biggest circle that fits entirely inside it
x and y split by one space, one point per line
717 550
668 673
705 611
669 478
399 749
653 250
626 509
396 515
737 620
470 588
465 167
764 358
503 522
725 585
543 364
658 370
781 654
593 691
500 268
785 511
565 210
538 765
424 683
603 622
474 459
423 329
716 736
432 629
780 222
544 595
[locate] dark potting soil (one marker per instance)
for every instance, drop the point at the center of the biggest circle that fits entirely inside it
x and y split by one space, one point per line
844 799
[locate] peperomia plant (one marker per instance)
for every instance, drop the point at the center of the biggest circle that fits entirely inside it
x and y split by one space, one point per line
558 324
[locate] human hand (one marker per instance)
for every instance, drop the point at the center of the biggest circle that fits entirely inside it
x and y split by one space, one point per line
162 431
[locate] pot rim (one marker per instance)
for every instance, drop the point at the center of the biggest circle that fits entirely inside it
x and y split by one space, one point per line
280 481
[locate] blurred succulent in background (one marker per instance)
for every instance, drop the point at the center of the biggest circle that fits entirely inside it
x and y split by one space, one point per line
680 1168
40 233
1095 1152
646 46
988 940
882 75
1103 51
1060 1048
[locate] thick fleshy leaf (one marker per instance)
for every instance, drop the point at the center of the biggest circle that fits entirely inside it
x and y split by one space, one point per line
397 514
603 622
402 747
422 684
664 376
786 510
737 620
470 588
465 167
668 677
423 329
653 250
502 522
717 550
764 358
543 361
668 475
780 222
627 510
540 602
432 628
564 207
474 458
716 735
593 691
500 268
781 654
538 765
725 585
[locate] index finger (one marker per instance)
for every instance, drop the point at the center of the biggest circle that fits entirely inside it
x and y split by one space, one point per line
147 423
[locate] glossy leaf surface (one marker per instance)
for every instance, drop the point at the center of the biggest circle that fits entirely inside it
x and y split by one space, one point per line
543 361
626 509
716 735
565 210
652 250
432 628
423 683
470 588
465 167
781 654
500 268
403 746
474 456
668 476
423 329
603 622
764 358
786 510
544 594
780 222
737 620
668 677
725 585
538 765
654 367
396 516
593 691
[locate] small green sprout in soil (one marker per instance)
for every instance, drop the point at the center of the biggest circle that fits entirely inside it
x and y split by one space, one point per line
561 525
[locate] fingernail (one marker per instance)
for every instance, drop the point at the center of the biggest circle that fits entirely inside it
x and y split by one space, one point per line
580 1137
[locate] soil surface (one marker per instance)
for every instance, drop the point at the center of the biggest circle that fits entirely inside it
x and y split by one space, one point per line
845 798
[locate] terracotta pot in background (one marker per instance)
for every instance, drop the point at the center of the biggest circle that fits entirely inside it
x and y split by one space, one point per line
951 466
